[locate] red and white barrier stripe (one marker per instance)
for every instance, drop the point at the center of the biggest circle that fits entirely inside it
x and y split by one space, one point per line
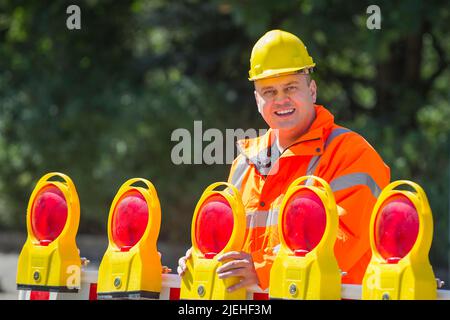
171 290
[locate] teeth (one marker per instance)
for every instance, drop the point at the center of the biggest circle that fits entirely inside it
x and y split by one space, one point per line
285 111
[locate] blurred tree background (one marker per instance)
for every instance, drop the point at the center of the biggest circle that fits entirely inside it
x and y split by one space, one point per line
100 103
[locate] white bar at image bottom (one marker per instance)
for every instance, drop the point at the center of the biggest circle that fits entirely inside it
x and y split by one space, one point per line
88 277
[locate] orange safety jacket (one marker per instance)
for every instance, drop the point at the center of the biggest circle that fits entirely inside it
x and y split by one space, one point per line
354 170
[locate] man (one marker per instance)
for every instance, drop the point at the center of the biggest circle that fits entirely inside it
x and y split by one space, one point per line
302 140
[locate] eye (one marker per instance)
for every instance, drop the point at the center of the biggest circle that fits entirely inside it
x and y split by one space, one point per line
291 89
269 93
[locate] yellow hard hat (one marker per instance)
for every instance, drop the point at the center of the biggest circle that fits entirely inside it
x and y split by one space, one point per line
278 52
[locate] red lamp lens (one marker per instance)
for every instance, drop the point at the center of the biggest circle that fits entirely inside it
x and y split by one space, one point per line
48 214
129 220
396 228
304 221
214 225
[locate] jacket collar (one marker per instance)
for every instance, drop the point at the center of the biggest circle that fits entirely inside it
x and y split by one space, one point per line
263 151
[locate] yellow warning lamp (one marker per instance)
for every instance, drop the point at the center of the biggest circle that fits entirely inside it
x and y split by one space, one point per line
401 232
218 226
49 260
305 267
131 267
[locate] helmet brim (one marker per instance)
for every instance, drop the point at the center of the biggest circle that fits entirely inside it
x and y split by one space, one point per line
272 73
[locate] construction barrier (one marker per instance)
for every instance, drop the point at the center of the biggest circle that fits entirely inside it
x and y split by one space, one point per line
131 266
401 232
50 267
305 266
218 226
49 260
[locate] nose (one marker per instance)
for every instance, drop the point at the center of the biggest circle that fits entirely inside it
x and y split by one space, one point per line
281 98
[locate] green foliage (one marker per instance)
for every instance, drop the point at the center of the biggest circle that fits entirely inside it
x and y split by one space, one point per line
100 103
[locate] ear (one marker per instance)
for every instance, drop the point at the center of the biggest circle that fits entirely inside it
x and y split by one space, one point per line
259 103
313 90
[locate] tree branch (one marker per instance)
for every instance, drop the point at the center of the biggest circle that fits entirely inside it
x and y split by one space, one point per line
443 63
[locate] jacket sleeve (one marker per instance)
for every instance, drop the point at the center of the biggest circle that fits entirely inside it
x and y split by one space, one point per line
356 174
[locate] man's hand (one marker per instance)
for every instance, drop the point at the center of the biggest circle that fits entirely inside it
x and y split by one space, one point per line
165 269
182 262
241 265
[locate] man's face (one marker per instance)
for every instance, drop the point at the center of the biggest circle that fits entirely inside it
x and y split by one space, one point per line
286 102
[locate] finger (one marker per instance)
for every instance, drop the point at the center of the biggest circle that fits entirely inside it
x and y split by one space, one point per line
159 254
182 262
233 265
241 272
189 253
166 269
231 255
180 271
242 284
84 261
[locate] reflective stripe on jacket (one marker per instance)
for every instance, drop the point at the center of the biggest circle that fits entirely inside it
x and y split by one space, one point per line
354 170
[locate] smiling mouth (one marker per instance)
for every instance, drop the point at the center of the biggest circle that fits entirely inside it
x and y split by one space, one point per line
284 113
